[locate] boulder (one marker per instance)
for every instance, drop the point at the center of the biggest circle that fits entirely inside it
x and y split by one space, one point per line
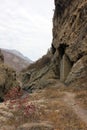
78 71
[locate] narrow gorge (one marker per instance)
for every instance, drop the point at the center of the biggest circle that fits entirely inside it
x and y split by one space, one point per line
51 92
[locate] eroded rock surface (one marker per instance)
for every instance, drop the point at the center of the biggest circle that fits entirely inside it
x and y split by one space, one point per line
68 53
7 78
70 36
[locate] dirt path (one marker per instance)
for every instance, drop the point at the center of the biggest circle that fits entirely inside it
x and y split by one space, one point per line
69 98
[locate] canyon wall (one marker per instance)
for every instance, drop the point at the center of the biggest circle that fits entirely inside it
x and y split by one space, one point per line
68 53
69 45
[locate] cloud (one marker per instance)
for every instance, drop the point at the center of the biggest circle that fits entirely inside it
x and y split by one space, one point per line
26 25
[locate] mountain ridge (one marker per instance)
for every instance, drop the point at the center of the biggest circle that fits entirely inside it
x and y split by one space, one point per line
15 59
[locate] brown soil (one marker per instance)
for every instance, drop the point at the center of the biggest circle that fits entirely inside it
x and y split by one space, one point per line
57 108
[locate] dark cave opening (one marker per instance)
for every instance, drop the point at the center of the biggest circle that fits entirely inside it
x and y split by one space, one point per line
53 49
62 49
1 100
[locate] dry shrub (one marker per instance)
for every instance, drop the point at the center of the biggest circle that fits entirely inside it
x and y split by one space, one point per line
81 98
52 93
19 105
44 60
61 116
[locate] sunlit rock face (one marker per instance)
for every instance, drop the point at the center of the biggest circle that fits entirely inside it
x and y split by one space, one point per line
70 38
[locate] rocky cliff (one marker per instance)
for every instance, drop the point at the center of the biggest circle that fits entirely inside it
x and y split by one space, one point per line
69 45
7 78
68 53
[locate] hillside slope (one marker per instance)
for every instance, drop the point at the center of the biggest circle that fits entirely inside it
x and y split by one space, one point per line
15 59
50 109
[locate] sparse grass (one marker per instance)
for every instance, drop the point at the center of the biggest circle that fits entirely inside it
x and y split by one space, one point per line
60 115
19 106
79 87
51 108
54 110
81 98
52 93
20 118
45 60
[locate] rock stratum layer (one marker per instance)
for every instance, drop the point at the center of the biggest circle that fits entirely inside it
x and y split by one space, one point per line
68 53
69 45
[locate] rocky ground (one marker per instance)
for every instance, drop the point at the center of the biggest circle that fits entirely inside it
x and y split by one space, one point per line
56 108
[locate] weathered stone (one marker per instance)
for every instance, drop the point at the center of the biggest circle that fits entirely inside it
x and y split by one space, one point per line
6 114
36 126
7 78
65 67
78 71
70 30
39 79
69 45
1 57
7 127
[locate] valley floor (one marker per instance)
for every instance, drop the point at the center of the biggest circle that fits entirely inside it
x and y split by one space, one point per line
57 108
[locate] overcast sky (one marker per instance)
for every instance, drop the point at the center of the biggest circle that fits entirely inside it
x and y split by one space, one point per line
26 25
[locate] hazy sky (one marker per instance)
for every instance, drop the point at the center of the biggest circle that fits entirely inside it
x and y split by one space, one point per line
26 25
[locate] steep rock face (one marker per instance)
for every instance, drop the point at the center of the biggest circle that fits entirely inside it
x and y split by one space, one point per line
39 74
68 53
70 38
7 78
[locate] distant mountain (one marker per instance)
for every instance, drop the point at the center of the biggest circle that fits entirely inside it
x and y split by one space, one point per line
15 59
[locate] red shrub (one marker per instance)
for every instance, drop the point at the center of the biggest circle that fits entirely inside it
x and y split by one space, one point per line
17 101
